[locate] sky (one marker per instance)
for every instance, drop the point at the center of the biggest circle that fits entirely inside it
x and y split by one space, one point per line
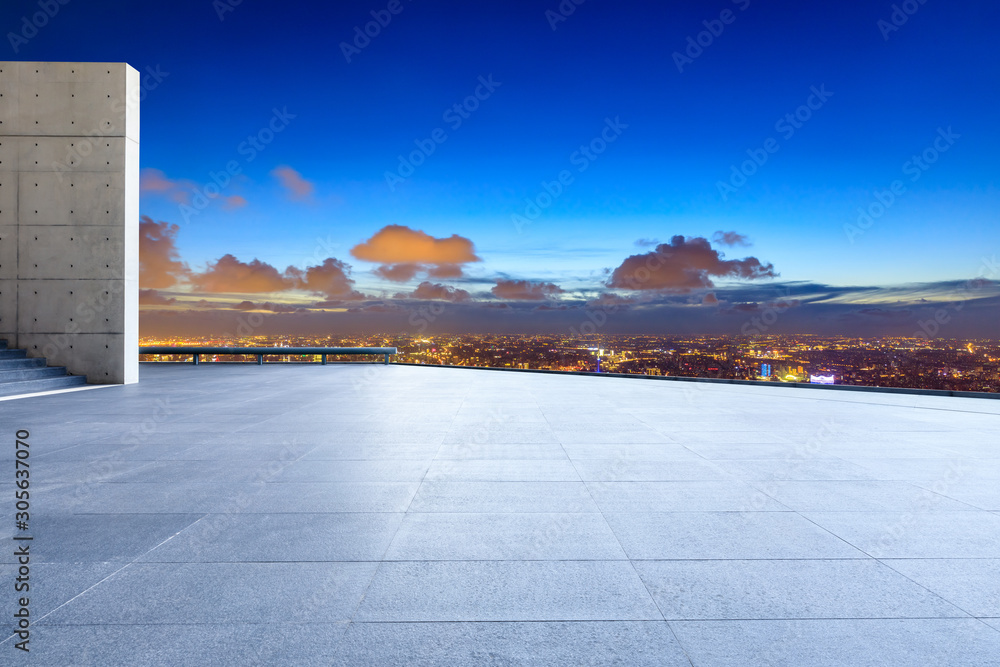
736 166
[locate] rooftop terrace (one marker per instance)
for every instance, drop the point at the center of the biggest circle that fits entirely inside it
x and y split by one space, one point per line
368 514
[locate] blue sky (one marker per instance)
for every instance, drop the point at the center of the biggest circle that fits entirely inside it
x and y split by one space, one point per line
888 90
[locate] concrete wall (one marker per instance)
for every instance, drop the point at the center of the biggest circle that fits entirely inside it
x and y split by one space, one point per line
69 215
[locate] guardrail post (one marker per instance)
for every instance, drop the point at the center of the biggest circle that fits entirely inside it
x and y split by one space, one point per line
260 359
195 359
387 360
323 356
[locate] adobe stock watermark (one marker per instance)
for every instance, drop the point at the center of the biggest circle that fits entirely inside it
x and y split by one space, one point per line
787 126
714 28
363 35
454 116
924 503
565 9
249 148
900 14
223 7
581 158
30 25
914 168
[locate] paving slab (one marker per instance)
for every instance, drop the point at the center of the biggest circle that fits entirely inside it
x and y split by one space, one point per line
192 593
249 537
781 589
725 535
972 584
838 642
479 536
545 644
507 591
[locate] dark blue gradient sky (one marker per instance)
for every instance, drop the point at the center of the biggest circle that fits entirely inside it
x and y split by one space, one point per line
889 95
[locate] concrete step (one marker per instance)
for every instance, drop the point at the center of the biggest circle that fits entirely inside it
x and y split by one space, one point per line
44 384
15 364
13 354
31 373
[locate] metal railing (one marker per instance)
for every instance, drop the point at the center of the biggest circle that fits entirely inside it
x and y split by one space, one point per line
260 352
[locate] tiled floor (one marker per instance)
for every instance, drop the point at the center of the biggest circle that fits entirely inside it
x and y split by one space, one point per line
395 515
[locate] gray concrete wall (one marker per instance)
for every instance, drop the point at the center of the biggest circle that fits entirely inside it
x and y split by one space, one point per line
69 215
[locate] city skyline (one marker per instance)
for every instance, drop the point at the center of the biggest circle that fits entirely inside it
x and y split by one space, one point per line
733 169
904 362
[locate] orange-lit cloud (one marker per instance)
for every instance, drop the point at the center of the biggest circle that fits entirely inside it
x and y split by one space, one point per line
429 290
183 191
150 297
398 244
156 182
683 265
331 279
299 189
445 271
523 290
730 239
710 300
398 273
159 262
234 202
231 275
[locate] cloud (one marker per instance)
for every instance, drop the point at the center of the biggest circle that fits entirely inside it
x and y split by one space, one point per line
881 314
710 300
234 202
401 273
756 307
272 307
523 290
660 312
445 271
646 243
610 300
154 181
730 239
429 290
299 189
150 297
181 191
683 265
398 273
231 275
375 308
331 279
398 244
159 261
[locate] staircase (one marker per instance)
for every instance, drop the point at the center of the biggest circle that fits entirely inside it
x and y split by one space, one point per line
20 375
